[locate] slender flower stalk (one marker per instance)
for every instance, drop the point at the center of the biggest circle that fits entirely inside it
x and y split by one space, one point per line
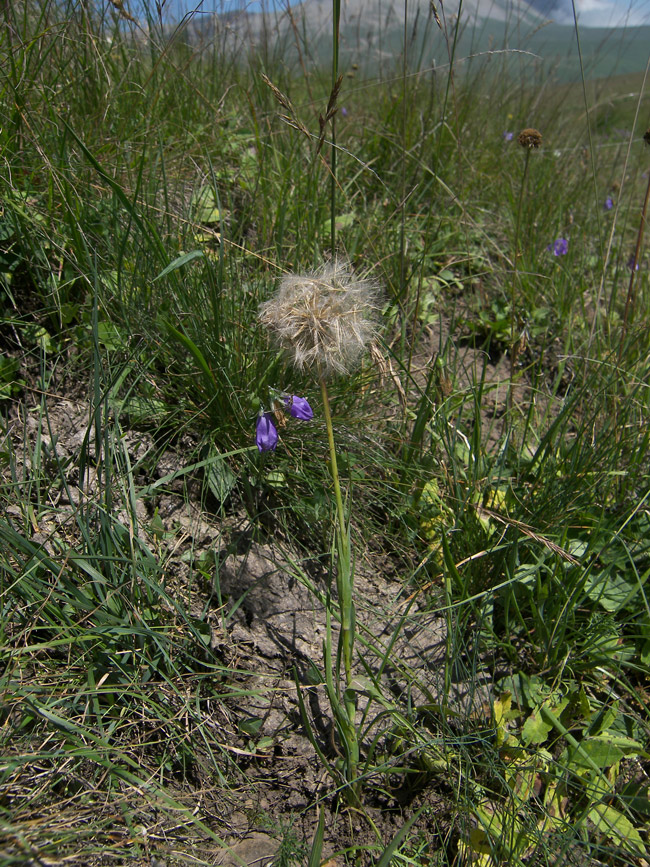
324 321
529 139
345 590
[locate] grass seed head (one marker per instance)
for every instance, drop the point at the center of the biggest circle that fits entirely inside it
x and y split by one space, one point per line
530 138
324 319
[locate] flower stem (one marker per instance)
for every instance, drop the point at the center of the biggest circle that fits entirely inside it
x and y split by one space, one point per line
344 586
514 340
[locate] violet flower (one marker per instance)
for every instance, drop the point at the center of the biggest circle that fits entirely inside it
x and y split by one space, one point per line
508 136
609 203
298 407
559 247
266 433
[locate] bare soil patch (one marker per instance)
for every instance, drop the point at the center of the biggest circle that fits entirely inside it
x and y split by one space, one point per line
265 607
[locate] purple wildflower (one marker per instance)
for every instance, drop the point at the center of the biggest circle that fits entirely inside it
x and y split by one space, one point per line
609 203
298 407
266 434
508 136
559 247
631 264
344 112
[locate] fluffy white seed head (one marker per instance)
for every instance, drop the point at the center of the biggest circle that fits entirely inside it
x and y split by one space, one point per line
325 319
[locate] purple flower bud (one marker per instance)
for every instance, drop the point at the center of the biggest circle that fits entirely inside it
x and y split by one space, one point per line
632 265
508 136
266 434
299 407
609 203
344 112
559 247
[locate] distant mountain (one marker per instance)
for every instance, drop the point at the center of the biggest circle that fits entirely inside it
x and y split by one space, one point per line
372 34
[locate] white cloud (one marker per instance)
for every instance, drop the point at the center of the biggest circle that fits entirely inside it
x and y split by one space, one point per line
608 13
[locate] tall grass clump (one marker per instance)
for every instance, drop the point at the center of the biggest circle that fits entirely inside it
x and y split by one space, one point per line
214 429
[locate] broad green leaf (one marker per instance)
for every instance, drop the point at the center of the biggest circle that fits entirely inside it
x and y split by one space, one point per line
611 591
636 797
251 725
603 751
206 209
617 828
109 336
221 479
535 730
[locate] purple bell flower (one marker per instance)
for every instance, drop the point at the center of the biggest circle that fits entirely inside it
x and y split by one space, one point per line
559 247
266 433
508 136
609 203
299 407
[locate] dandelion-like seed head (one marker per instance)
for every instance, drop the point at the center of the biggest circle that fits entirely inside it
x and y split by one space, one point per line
530 138
324 319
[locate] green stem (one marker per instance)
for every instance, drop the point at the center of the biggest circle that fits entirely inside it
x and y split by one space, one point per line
515 281
344 585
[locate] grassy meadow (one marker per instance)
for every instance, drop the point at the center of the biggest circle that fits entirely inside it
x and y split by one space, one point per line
416 631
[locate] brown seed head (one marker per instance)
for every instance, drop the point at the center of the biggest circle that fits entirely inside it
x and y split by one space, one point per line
530 138
324 319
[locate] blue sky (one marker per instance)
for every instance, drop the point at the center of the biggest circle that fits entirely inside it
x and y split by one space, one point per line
591 13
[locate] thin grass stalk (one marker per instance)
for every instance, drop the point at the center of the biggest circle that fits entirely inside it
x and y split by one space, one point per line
630 289
335 75
588 115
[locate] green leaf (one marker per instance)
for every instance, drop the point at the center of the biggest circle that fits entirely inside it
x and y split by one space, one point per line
386 857
195 352
251 725
206 209
603 751
617 828
179 262
636 797
221 479
9 382
109 336
611 591
317 844
535 730
202 630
